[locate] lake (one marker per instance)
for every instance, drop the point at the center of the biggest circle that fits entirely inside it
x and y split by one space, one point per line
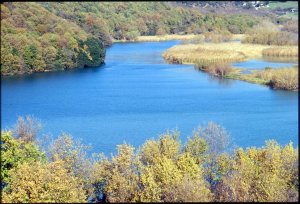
136 96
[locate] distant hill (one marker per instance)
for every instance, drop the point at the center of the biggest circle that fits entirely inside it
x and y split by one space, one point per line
279 8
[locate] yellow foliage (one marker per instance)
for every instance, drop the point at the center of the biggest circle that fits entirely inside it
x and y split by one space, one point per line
38 182
261 175
161 171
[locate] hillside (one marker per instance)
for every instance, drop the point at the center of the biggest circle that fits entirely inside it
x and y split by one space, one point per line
50 36
34 40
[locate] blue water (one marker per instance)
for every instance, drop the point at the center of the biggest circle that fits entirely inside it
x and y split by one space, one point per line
256 64
136 96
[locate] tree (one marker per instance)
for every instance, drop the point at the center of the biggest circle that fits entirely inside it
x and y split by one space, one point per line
117 178
49 55
196 147
27 128
43 182
169 174
217 140
168 145
262 175
15 152
96 50
75 160
30 54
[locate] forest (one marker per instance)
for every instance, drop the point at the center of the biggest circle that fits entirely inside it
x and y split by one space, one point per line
49 36
161 170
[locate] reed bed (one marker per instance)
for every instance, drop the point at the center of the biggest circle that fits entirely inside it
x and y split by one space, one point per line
186 54
219 69
215 59
249 50
209 53
283 78
271 38
289 51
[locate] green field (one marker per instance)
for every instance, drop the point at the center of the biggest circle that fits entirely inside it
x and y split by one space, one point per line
288 4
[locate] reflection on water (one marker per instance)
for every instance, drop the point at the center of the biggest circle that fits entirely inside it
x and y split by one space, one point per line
221 81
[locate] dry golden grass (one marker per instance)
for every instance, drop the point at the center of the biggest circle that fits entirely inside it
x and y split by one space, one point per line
197 54
210 53
288 51
219 69
213 58
207 53
249 50
283 78
266 37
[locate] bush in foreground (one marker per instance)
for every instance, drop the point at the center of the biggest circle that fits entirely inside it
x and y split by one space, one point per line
161 170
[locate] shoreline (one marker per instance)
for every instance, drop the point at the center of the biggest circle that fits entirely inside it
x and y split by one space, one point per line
158 38
224 54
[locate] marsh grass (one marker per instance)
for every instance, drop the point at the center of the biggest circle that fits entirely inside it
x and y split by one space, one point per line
271 38
283 78
206 54
218 69
290 51
186 54
215 59
218 37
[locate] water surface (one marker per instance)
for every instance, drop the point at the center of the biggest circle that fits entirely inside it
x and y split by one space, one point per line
136 96
256 64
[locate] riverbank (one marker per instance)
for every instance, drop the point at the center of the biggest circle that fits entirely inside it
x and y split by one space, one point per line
157 38
216 59
283 78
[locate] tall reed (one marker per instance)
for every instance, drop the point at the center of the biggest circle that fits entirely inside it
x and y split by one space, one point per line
284 78
291 51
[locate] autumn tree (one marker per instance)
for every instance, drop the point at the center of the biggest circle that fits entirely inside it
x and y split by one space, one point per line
75 158
27 128
15 152
43 182
117 178
265 174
